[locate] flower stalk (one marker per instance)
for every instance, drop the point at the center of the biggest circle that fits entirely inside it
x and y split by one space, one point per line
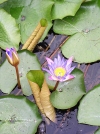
18 78
56 85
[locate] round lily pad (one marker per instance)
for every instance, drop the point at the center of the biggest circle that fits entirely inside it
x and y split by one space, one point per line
1 1
97 132
68 8
84 28
18 115
89 108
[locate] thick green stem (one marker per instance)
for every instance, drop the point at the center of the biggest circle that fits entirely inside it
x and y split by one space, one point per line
56 85
18 78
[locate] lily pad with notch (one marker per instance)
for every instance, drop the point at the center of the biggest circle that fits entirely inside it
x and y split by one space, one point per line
84 28
89 108
18 115
68 8
97 132
1 1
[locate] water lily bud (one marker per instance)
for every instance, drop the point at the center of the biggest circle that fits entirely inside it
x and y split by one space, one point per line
12 56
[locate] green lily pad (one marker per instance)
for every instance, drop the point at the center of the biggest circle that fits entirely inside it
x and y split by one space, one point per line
18 115
1 1
9 31
97 132
84 44
28 61
33 16
89 108
29 14
68 93
68 8
15 7
15 3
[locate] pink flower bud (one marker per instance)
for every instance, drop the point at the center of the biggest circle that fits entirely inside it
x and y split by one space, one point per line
12 56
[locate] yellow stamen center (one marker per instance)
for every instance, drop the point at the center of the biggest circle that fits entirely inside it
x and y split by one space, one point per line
60 71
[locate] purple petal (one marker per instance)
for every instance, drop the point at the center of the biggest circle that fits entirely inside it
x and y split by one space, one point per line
52 71
7 49
9 53
69 61
55 61
51 66
12 49
53 78
70 70
64 64
69 77
44 69
49 60
59 58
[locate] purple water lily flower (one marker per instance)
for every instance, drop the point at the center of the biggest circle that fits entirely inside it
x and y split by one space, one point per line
12 56
60 68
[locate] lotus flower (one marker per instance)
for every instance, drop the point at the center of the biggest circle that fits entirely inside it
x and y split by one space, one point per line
60 68
12 56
